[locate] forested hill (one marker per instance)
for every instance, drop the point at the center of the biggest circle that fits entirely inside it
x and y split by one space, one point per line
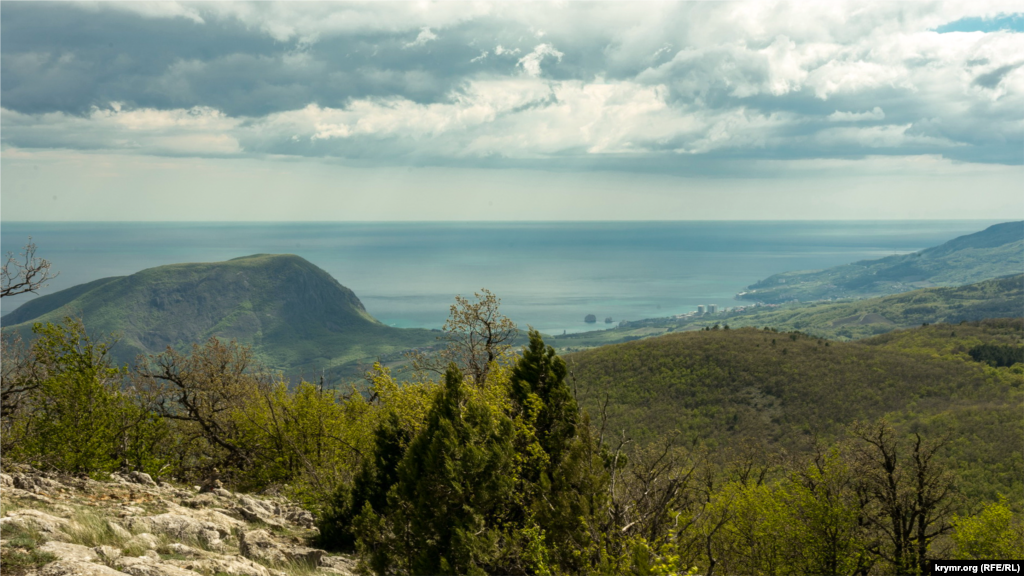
996 251
295 315
785 390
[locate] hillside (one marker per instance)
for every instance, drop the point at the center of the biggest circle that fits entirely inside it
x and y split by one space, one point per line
996 251
296 316
998 298
786 389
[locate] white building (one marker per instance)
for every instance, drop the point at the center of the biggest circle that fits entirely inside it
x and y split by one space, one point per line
700 309
712 308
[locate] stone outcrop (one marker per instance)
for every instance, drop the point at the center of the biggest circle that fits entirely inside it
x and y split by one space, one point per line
150 528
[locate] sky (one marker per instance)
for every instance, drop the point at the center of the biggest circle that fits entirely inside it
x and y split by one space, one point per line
237 111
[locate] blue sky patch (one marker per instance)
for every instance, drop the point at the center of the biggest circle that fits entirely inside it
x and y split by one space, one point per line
1012 22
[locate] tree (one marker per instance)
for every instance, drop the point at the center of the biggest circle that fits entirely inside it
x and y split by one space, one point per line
77 418
994 533
25 273
19 275
824 502
19 374
913 496
477 335
563 485
453 483
207 389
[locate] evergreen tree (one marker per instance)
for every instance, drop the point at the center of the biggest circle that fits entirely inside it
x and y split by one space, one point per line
445 511
561 477
370 489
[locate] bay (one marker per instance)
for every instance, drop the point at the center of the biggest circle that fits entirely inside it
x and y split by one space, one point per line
549 275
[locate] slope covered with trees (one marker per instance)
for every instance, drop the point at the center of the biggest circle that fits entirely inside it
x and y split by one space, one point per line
996 251
294 315
724 451
787 390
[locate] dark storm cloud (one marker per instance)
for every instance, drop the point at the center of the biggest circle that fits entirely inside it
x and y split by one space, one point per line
630 87
63 58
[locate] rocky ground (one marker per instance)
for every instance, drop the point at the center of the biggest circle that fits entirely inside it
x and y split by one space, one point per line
54 525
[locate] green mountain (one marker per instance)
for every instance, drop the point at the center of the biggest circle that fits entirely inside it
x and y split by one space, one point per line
997 298
296 316
785 390
996 251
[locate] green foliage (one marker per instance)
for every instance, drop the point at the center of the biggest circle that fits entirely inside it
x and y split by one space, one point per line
994 533
444 510
78 419
995 355
562 480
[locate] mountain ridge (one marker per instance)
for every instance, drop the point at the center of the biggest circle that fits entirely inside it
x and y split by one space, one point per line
993 252
294 314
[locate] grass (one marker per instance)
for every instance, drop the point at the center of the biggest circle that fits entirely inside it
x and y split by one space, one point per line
21 556
91 529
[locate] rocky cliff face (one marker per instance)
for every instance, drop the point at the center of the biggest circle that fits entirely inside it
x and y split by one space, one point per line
55 525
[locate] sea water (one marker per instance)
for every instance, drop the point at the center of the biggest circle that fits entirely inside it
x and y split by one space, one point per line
549 275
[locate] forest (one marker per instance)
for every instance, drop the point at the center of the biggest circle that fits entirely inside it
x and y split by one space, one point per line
488 459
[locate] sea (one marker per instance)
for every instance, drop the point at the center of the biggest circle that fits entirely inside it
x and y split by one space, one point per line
548 275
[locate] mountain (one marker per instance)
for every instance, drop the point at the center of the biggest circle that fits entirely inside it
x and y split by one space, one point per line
996 251
787 390
848 320
295 315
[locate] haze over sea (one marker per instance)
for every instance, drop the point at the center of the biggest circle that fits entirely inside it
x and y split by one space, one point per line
548 274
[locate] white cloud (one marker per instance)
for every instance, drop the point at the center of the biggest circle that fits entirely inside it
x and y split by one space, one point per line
687 77
872 115
531 62
196 131
424 36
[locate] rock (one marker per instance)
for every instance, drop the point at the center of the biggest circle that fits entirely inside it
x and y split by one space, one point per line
183 550
141 478
6 481
210 539
131 511
339 565
158 569
205 500
143 541
259 545
301 517
69 552
174 525
119 530
222 493
69 568
211 485
52 527
36 483
234 565
108 553
254 510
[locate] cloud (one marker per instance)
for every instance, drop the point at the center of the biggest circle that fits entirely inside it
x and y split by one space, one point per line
193 132
424 36
531 62
640 88
872 115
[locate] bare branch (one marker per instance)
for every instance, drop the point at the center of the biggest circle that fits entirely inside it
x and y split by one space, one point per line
25 273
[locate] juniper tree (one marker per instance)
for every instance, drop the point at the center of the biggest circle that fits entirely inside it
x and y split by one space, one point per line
444 512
